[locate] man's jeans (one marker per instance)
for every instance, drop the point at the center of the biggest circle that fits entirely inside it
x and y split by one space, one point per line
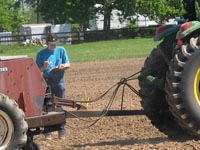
58 89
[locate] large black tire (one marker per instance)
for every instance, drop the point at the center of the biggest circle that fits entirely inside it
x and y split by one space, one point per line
153 98
183 86
13 127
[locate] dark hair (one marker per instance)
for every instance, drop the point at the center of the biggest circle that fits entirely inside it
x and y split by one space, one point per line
51 38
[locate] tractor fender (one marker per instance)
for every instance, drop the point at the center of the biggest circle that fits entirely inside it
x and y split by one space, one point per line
166 30
187 29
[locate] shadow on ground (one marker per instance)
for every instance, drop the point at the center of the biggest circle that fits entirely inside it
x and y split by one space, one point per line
126 142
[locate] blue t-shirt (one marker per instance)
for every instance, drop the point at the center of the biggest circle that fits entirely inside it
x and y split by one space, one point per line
56 57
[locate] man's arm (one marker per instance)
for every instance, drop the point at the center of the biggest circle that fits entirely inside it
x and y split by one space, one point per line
61 67
64 66
45 66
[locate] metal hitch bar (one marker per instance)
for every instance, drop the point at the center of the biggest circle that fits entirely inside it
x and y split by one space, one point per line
83 112
91 113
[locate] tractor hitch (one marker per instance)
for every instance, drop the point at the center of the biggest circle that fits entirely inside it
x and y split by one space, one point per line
97 113
69 103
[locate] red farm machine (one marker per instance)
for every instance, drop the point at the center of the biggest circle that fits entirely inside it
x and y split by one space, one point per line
26 106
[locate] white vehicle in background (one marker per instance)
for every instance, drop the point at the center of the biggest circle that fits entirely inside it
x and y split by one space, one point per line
39 31
31 31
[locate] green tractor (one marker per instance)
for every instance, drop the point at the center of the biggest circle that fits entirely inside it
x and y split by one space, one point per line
170 80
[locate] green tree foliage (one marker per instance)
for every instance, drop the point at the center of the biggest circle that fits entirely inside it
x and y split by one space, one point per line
33 11
80 11
54 12
198 10
65 11
12 15
160 10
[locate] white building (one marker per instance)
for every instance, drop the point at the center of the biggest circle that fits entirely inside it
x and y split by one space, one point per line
29 29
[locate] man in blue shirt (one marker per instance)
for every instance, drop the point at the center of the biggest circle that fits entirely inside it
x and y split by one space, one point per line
52 62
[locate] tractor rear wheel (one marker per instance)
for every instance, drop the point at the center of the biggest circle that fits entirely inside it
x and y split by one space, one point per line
183 86
153 98
13 127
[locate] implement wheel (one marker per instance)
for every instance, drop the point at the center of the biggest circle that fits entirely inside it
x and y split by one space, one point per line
13 127
183 86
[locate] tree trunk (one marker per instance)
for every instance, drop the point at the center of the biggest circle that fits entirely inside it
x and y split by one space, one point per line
107 15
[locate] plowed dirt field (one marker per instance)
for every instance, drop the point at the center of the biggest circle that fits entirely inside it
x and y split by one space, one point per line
90 80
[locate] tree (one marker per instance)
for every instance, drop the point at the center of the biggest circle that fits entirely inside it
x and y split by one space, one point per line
80 12
53 12
126 7
12 15
33 7
64 11
198 10
160 10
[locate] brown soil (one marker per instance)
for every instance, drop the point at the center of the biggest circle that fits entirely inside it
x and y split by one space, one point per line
90 80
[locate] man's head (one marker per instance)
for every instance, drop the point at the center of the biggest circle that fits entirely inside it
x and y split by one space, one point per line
51 41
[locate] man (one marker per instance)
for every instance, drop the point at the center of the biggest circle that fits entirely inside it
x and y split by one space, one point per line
52 62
